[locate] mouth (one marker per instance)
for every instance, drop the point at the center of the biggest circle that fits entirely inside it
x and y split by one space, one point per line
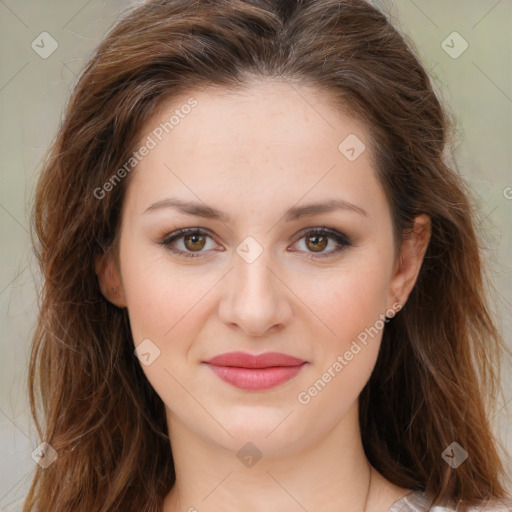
255 373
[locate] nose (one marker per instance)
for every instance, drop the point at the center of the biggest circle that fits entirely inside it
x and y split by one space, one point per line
257 301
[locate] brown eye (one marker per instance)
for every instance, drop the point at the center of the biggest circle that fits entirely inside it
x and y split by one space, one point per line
194 242
317 243
188 242
316 240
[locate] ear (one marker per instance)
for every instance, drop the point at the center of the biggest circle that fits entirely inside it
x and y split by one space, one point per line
109 279
410 260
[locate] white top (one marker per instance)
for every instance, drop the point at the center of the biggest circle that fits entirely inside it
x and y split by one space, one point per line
417 501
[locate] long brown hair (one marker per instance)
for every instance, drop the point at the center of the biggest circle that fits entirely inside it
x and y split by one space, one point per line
437 375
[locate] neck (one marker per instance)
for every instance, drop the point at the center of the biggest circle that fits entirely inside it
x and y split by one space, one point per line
331 474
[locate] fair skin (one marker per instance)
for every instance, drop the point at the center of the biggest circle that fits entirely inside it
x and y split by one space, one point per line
253 155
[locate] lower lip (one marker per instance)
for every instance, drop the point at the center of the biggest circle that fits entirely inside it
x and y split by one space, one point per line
256 379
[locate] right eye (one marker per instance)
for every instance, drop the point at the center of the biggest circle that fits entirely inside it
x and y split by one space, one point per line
193 241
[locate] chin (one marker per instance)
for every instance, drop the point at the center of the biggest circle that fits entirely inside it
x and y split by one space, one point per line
276 432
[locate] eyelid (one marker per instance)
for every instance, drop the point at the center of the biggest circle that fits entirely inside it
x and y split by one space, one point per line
324 230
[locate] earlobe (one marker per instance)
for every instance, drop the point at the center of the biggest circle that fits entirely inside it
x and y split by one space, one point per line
411 257
109 280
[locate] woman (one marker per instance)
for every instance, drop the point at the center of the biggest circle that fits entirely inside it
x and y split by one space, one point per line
262 282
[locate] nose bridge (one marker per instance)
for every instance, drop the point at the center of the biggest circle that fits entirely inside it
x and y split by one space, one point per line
254 279
257 300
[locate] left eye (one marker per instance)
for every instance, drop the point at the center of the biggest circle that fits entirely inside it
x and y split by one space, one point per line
316 239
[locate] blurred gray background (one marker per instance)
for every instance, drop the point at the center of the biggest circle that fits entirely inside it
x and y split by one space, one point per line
465 44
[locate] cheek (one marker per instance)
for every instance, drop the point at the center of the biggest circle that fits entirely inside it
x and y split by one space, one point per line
350 301
167 306
351 304
160 296
353 309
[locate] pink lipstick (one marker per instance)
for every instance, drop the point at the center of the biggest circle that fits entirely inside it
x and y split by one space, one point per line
255 373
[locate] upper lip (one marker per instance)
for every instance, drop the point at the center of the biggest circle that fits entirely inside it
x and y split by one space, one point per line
245 360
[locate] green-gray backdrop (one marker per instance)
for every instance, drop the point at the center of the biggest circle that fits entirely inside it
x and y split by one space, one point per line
465 44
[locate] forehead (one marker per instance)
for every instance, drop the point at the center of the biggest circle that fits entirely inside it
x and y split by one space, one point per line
270 112
273 140
278 101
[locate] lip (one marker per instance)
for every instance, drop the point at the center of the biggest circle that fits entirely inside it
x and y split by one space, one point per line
255 372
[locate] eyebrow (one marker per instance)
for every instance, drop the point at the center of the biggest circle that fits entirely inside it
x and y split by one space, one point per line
294 213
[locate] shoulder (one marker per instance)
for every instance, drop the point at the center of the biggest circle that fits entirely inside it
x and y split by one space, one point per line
417 501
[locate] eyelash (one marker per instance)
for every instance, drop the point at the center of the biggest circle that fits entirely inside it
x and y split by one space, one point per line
342 240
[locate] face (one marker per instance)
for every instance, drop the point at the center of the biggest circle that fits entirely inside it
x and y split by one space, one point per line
258 271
